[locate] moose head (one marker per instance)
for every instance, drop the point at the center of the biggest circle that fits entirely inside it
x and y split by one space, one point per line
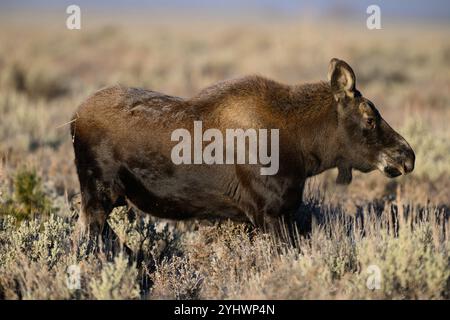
366 140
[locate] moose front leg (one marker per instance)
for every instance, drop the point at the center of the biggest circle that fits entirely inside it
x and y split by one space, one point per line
303 220
296 213
271 203
287 224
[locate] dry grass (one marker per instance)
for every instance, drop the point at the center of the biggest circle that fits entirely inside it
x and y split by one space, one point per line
400 226
408 244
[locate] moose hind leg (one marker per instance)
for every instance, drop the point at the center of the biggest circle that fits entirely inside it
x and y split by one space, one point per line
92 218
96 206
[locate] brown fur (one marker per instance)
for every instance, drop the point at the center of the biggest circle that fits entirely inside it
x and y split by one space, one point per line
122 147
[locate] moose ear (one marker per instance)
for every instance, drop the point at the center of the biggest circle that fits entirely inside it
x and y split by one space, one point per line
342 79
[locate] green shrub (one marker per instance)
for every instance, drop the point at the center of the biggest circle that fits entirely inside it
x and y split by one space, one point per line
28 197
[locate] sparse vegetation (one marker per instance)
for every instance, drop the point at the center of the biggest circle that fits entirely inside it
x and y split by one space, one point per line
400 226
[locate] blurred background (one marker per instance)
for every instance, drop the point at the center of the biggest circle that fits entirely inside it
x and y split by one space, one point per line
178 47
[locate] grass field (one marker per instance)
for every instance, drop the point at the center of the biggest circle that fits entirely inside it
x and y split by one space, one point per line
396 230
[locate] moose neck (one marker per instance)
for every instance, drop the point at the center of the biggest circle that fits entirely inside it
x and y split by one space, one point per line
316 137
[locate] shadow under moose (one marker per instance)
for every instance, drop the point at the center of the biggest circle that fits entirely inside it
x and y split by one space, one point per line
123 150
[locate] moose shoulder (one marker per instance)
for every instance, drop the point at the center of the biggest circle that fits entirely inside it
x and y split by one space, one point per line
123 146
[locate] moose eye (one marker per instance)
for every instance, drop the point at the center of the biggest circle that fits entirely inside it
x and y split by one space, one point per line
370 122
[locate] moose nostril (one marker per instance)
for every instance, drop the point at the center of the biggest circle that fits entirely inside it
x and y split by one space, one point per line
408 165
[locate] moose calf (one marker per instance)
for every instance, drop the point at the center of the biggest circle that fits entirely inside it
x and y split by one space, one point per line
123 147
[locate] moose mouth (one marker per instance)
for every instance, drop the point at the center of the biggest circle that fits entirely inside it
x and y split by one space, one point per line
392 172
394 168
